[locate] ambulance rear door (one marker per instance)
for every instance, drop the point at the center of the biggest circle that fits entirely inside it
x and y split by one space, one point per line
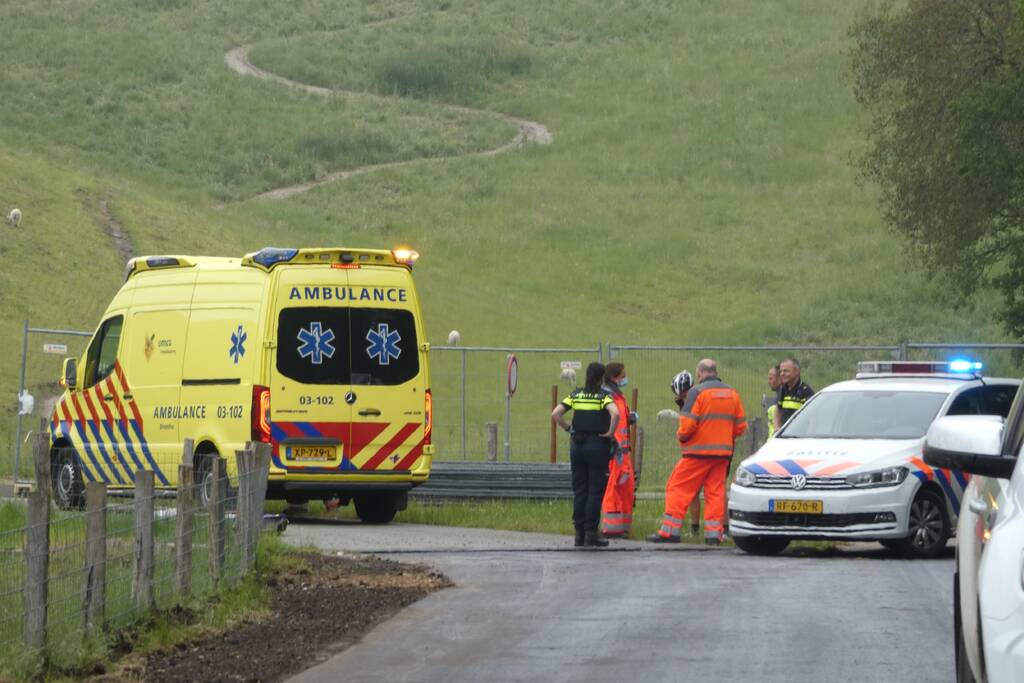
389 378
310 420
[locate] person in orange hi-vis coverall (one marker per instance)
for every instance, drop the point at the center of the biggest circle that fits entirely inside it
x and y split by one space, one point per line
709 423
619 496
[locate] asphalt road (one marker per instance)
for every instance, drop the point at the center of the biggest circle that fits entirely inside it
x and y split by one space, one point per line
528 608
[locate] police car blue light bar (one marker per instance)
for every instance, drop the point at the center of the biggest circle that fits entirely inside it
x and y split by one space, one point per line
923 367
964 365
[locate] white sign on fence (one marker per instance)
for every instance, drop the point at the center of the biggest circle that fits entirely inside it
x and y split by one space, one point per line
60 349
571 365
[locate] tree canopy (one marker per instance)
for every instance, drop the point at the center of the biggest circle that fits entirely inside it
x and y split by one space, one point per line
943 82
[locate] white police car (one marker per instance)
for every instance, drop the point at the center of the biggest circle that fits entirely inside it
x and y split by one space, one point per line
849 464
988 581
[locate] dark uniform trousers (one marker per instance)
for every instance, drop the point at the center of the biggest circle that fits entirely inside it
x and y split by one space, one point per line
588 459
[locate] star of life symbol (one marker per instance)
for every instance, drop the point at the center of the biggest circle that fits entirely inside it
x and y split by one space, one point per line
316 343
237 349
798 481
383 344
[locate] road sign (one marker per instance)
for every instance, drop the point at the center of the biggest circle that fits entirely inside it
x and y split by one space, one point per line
513 374
59 349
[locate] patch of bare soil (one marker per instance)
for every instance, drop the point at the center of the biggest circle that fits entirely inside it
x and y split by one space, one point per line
317 611
116 232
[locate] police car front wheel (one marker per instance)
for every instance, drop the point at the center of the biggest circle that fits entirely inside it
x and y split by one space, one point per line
928 527
761 545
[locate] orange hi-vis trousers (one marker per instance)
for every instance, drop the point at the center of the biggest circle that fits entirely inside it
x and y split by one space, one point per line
683 486
617 506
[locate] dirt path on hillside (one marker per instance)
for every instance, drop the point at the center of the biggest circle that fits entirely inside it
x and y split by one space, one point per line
527 132
115 231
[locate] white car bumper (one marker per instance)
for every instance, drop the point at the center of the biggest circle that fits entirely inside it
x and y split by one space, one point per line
869 513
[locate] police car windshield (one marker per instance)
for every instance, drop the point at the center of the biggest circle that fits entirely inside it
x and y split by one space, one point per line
869 414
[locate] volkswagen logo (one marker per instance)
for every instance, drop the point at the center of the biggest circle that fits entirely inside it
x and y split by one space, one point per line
798 481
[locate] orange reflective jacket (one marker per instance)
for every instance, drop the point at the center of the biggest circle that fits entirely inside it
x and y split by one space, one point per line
711 419
622 427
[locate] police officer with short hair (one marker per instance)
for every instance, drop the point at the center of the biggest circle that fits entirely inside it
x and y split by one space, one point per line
593 427
793 393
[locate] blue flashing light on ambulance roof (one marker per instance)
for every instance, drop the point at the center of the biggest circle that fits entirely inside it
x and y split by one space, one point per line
268 256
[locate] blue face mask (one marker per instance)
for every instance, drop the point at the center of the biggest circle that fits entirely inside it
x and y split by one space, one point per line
623 382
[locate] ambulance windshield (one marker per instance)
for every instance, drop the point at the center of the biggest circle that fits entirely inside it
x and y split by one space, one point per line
347 346
865 415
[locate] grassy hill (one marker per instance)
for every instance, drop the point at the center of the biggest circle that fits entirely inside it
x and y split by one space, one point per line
698 189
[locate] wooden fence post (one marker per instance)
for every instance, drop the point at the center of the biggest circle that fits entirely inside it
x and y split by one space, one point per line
632 427
142 576
243 508
183 523
37 568
261 471
492 441
638 454
216 510
41 459
94 575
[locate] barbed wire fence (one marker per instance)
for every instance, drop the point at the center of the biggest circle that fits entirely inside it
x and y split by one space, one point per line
77 564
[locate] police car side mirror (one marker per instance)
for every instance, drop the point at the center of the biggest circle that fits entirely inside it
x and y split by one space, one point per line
69 375
970 443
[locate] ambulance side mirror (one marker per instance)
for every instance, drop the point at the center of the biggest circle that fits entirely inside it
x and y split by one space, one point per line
69 375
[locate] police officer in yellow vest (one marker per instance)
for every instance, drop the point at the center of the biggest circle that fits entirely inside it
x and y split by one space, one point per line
793 393
593 427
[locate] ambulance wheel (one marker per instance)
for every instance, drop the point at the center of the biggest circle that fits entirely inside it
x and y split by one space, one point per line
928 526
376 509
202 467
761 545
66 477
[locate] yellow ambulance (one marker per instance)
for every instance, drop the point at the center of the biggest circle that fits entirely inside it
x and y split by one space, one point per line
319 352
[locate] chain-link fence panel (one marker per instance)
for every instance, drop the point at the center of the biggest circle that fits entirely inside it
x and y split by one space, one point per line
42 356
469 387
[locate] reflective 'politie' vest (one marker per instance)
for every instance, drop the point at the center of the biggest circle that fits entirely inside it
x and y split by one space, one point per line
710 420
792 400
590 415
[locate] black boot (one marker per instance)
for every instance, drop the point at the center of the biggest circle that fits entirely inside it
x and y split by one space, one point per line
592 539
579 537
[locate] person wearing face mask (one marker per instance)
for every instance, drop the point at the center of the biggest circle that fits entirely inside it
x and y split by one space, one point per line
619 495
